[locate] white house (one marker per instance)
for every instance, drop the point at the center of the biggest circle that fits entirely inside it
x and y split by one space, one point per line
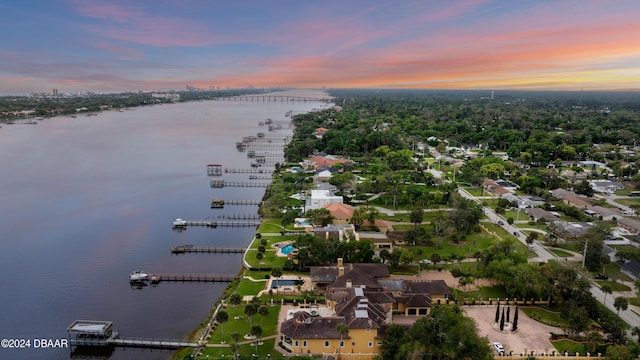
320 198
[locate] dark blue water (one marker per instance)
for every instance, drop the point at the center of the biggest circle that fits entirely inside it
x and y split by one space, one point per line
86 200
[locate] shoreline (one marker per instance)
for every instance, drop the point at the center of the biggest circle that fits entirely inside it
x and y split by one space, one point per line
200 333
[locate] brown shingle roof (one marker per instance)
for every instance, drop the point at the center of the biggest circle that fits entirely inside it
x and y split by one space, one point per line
431 287
418 300
329 274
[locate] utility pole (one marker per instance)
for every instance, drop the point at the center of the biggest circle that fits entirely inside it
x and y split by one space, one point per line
584 255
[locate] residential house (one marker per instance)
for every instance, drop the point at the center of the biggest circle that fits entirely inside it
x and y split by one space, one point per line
492 187
537 214
606 214
379 239
382 225
363 298
341 213
320 198
342 232
577 201
323 276
632 269
629 224
606 186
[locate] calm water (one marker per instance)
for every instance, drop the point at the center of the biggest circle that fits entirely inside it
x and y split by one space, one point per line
86 200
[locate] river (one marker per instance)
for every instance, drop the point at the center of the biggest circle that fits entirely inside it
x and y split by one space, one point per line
86 200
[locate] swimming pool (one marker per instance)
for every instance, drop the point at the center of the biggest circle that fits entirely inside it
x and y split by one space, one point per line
275 283
287 249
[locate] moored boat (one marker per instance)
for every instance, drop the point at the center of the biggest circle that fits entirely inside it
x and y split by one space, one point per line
138 276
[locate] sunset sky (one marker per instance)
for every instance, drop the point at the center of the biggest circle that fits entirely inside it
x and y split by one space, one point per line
113 45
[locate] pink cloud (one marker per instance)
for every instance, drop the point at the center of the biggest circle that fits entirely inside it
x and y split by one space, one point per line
120 50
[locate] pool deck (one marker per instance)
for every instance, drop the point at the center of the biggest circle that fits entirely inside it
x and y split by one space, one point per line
290 289
279 246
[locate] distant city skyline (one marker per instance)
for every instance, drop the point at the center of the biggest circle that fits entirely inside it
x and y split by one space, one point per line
111 46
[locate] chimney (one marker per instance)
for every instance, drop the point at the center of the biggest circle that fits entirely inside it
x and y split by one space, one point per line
339 262
341 271
348 283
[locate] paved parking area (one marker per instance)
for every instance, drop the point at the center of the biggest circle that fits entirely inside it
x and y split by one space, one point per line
531 335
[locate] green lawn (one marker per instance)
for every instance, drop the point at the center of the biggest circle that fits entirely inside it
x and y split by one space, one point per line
428 216
570 346
270 226
270 260
474 242
476 191
615 286
543 315
241 325
628 202
248 287
612 270
559 253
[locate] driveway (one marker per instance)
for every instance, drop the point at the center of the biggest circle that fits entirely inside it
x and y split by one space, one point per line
530 336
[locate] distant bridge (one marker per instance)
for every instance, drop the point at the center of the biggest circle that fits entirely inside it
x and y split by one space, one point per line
272 98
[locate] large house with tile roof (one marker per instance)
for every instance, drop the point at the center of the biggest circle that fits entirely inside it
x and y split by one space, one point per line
363 298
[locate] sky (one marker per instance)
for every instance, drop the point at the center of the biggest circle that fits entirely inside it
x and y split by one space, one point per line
115 45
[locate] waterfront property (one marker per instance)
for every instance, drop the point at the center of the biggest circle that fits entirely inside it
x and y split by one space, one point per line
360 300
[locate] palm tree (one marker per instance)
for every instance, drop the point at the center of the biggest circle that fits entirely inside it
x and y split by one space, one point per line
256 331
620 303
250 310
235 299
234 345
606 289
276 273
263 311
222 317
343 330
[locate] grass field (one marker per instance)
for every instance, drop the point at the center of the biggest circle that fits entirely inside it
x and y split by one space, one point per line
544 316
560 253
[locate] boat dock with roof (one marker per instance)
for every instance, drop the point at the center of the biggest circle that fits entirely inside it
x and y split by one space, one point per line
100 333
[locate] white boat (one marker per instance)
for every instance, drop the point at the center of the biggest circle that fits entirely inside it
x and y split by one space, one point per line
138 276
179 223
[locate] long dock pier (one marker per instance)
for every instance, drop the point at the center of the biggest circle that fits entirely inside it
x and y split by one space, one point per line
215 224
134 342
156 278
248 171
100 333
243 202
239 217
216 250
222 183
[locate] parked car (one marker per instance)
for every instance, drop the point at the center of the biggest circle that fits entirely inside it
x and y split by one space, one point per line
499 348
425 261
500 222
601 277
516 234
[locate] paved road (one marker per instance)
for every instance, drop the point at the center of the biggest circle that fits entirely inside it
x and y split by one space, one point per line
543 254
627 316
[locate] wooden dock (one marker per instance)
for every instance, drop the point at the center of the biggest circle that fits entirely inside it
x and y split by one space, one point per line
255 217
243 202
221 183
156 278
215 250
115 340
247 171
215 224
214 170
